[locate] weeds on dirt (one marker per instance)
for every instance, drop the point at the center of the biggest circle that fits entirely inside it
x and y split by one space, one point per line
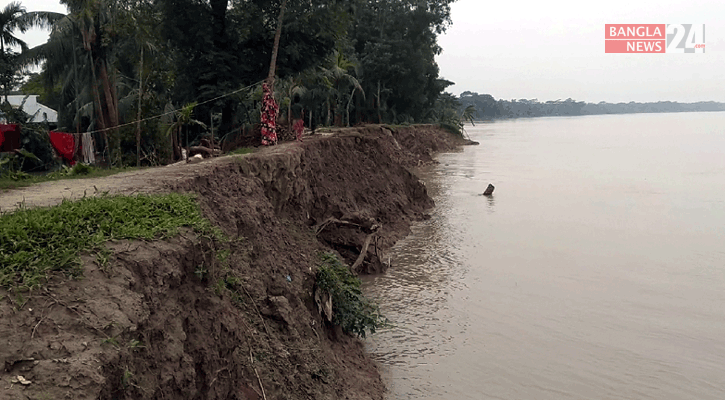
354 312
201 272
103 256
113 341
36 242
227 283
135 345
126 378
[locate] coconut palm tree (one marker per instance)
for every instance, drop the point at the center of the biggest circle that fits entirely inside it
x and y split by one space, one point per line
287 89
268 113
184 117
83 49
469 113
275 47
14 17
339 76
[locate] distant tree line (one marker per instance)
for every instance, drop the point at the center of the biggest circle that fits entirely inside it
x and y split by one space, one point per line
488 107
111 63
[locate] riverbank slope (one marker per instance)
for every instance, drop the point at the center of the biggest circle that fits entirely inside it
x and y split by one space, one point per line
192 318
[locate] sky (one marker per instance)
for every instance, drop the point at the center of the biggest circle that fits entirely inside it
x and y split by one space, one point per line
554 49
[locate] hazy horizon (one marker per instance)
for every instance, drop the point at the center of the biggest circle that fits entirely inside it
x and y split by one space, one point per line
555 50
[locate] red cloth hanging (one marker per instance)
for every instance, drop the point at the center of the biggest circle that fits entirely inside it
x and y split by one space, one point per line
64 144
9 137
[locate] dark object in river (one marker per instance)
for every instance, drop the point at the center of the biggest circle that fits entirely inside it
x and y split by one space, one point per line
489 190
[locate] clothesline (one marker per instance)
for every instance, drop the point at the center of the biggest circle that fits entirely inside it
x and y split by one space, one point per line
173 111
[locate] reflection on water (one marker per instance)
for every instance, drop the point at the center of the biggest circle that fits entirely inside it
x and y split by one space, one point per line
491 203
597 271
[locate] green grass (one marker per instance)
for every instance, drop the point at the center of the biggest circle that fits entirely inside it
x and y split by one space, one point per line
37 242
241 150
17 180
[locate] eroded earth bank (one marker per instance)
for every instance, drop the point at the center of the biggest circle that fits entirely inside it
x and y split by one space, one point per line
188 318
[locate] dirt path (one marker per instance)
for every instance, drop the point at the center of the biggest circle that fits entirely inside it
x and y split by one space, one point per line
149 180
52 193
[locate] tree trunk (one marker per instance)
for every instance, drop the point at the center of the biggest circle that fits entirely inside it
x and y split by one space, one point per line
211 122
347 109
379 118
99 110
175 144
275 48
75 86
138 117
111 106
2 54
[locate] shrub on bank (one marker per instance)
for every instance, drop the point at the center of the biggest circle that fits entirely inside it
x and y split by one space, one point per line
351 310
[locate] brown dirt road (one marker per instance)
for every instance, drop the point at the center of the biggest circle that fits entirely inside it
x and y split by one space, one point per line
148 180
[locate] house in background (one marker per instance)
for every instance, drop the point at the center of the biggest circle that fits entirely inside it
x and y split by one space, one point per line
38 112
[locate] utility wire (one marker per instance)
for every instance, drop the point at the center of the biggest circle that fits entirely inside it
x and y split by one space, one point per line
173 111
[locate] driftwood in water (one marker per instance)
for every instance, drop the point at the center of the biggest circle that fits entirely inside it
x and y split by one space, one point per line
489 190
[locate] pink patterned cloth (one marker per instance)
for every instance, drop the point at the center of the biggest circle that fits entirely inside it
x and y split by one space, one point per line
269 116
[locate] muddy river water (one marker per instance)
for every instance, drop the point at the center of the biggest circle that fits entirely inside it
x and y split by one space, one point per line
596 270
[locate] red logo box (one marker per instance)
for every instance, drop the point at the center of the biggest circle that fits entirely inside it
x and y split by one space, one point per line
634 46
635 31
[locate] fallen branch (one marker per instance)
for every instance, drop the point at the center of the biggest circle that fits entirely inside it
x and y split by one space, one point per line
333 220
363 253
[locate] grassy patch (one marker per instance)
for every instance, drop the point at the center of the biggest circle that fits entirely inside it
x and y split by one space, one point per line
354 312
79 171
241 150
35 242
